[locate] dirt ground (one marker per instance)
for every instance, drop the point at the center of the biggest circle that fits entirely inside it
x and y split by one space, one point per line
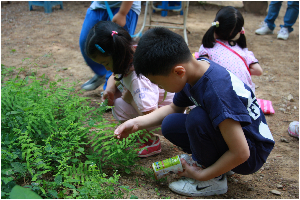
51 42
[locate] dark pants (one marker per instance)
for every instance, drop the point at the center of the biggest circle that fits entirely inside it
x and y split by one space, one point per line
195 134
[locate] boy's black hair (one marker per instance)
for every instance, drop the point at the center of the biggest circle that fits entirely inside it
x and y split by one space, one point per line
231 22
158 51
117 45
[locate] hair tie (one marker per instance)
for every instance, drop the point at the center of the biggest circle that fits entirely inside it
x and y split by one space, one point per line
216 23
114 33
99 48
242 31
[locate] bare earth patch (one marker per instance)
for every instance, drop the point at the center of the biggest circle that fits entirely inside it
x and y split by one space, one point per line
51 42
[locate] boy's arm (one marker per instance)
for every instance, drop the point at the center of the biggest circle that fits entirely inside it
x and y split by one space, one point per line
255 69
154 118
120 16
238 152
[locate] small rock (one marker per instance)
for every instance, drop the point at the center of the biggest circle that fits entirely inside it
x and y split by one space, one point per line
279 186
282 109
275 192
250 189
284 140
290 98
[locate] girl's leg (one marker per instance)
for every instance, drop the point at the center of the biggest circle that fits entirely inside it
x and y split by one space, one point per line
291 15
273 12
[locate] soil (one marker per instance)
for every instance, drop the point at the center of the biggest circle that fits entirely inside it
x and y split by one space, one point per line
51 44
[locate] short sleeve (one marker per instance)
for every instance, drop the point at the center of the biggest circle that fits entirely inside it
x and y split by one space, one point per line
144 93
203 51
182 100
250 58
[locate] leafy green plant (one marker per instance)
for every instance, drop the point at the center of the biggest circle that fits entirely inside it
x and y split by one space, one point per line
118 154
47 130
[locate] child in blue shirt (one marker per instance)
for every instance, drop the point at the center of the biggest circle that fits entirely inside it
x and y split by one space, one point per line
226 131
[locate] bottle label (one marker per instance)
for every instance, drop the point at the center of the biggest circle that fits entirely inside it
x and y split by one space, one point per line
170 165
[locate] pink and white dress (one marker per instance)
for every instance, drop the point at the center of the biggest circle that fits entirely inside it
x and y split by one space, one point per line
227 59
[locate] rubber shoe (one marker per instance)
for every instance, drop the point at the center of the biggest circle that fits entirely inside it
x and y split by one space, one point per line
294 129
192 188
283 33
264 29
93 83
150 148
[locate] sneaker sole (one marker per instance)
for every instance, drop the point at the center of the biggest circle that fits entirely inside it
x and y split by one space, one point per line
280 38
208 193
150 154
264 33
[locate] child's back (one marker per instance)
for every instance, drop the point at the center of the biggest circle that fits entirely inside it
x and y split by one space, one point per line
220 46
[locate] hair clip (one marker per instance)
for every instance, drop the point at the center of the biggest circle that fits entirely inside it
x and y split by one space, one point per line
216 23
99 48
114 33
242 31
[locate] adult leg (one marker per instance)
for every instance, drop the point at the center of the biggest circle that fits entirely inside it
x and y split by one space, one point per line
92 17
291 15
273 12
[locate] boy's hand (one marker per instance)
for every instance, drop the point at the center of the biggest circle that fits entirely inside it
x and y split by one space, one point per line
109 95
125 129
193 171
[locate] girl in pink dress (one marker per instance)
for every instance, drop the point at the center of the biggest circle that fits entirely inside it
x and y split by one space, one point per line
225 43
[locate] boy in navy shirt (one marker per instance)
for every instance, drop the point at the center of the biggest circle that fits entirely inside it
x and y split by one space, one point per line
226 130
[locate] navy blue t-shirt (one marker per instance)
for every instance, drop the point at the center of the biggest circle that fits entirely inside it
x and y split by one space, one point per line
223 95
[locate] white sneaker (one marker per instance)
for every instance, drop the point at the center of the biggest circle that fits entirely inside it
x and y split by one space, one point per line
283 33
264 29
93 83
191 187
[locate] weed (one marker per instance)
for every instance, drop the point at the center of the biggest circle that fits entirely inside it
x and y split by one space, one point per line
45 134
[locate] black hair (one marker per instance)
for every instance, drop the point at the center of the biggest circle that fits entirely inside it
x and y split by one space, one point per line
158 51
117 45
231 23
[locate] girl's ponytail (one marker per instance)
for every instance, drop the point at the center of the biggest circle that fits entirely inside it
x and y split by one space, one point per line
228 23
208 38
122 53
241 41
